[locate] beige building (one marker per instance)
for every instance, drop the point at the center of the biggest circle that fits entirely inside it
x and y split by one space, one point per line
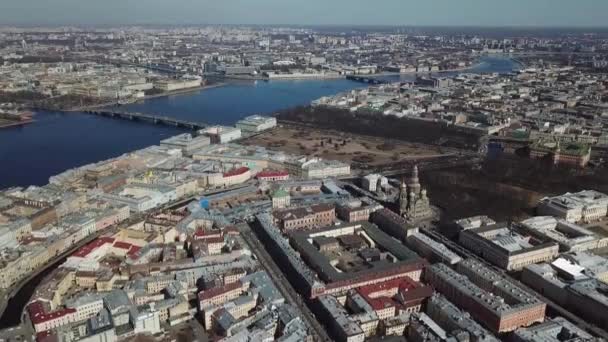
506 248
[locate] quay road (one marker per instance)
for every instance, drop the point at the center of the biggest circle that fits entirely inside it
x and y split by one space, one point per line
290 294
550 304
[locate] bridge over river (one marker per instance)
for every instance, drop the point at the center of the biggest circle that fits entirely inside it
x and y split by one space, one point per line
155 119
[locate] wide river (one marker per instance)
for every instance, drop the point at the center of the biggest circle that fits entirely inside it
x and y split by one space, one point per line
29 155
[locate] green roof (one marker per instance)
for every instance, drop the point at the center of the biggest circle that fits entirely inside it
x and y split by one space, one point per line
576 149
280 192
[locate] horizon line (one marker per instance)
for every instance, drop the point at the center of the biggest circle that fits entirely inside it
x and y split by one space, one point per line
112 25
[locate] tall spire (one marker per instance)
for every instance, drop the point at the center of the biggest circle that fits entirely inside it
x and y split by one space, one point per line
414 182
403 197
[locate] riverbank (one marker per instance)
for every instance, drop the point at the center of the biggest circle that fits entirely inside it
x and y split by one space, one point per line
147 97
8 123
180 92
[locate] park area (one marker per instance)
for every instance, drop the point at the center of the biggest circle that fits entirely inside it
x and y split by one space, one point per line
346 147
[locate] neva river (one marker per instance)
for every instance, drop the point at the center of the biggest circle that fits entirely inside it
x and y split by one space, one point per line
29 155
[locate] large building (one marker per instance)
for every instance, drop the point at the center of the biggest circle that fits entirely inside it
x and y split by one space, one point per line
570 236
173 85
506 248
556 329
316 168
221 134
374 182
356 210
578 285
573 153
256 123
363 255
455 321
393 224
492 299
315 216
186 142
584 206
431 249
372 310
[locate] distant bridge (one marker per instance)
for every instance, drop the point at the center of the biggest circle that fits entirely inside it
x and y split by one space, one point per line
155 119
366 79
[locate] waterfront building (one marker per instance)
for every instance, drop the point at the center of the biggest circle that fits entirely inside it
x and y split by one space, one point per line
174 85
255 124
186 143
221 134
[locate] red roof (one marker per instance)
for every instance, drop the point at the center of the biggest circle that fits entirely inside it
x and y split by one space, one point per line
202 234
403 284
133 251
45 336
218 239
236 172
122 245
216 291
38 315
271 174
87 249
381 303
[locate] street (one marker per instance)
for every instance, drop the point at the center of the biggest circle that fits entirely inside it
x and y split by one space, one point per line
290 294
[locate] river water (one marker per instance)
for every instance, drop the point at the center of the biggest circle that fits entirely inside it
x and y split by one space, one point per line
29 155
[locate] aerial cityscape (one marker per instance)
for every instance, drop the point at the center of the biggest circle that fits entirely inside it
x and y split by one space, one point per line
170 176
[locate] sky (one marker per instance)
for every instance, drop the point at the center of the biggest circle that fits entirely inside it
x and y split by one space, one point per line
561 13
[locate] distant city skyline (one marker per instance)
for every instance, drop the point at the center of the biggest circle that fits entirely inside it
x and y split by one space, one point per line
535 13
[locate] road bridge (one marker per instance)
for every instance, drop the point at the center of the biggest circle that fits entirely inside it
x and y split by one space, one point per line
155 119
367 79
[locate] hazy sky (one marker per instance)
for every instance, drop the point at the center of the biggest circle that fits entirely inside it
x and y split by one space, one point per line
309 12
